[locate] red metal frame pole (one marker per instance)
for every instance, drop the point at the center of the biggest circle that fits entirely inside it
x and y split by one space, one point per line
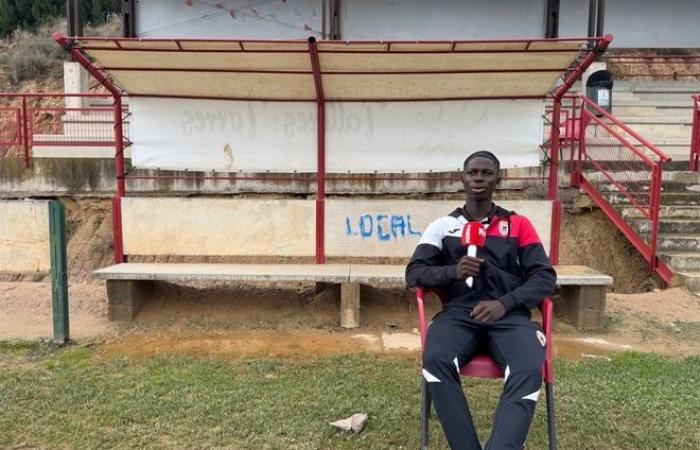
117 230
320 153
573 123
83 60
655 206
600 47
554 142
25 133
119 146
583 124
554 181
694 159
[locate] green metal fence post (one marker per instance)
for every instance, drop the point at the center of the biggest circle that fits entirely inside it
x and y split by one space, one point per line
59 272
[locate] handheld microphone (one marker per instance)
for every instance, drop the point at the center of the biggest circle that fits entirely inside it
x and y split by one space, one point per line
473 236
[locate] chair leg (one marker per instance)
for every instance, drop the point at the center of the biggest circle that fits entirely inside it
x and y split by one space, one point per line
551 423
424 414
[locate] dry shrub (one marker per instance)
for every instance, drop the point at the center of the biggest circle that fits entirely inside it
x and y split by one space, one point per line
35 54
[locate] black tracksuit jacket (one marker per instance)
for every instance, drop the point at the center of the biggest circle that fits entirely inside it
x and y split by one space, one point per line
516 269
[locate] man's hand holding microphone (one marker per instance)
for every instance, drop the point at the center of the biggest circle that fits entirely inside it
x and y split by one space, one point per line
469 266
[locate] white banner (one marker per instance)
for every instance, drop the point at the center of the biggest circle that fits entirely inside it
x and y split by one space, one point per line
231 136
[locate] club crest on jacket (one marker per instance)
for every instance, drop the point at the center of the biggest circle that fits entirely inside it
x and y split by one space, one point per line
503 227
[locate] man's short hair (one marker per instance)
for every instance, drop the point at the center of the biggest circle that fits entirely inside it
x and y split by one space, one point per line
483 154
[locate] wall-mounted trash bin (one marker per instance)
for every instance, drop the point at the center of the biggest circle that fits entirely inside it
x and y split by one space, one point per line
599 89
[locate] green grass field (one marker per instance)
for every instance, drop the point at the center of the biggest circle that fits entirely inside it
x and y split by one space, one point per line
76 398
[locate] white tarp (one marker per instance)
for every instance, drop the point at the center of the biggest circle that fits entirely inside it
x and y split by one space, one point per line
231 136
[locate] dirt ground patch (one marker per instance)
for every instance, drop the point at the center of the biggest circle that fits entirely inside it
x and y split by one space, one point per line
25 311
588 238
293 322
191 317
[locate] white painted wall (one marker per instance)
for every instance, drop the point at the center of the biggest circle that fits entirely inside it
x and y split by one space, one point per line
251 227
184 226
272 19
24 236
638 23
392 228
359 19
441 19
230 136
635 23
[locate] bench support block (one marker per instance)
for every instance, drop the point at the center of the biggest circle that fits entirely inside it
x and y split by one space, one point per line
125 298
583 306
350 305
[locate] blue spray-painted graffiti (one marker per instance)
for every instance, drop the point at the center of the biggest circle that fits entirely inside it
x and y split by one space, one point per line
384 226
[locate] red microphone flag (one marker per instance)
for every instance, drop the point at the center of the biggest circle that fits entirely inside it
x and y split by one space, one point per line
473 236
474 233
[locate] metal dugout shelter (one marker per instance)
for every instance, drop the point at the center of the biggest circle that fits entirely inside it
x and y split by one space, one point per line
334 71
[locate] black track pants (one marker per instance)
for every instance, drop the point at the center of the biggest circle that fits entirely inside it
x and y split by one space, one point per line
516 343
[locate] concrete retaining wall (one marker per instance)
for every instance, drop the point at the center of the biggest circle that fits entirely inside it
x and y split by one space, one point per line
24 236
206 226
96 176
253 227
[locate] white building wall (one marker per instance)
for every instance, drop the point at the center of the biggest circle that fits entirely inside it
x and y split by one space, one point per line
635 23
263 19
359 19
638 23
442 19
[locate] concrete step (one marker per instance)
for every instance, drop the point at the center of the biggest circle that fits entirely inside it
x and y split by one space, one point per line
677 165
679 242
666 212
613 151
667 186
671 186
667 226
662 120
682 261
623 96
634 101
667 199
655 131
691 280
669 145
637 111
665 142
657 85
663 96
668 176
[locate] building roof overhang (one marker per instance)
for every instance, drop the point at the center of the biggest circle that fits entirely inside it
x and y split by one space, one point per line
310 70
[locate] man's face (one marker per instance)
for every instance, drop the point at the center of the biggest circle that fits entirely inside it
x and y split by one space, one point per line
480 178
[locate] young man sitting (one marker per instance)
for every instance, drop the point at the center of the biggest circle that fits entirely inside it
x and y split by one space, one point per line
511 275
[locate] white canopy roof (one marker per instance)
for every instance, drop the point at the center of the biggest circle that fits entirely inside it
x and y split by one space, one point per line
334 70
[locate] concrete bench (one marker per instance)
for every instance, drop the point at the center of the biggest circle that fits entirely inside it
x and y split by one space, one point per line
582 290
353 229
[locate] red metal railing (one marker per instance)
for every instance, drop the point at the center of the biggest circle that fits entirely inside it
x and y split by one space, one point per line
694 159
29 120
569 128
628 168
